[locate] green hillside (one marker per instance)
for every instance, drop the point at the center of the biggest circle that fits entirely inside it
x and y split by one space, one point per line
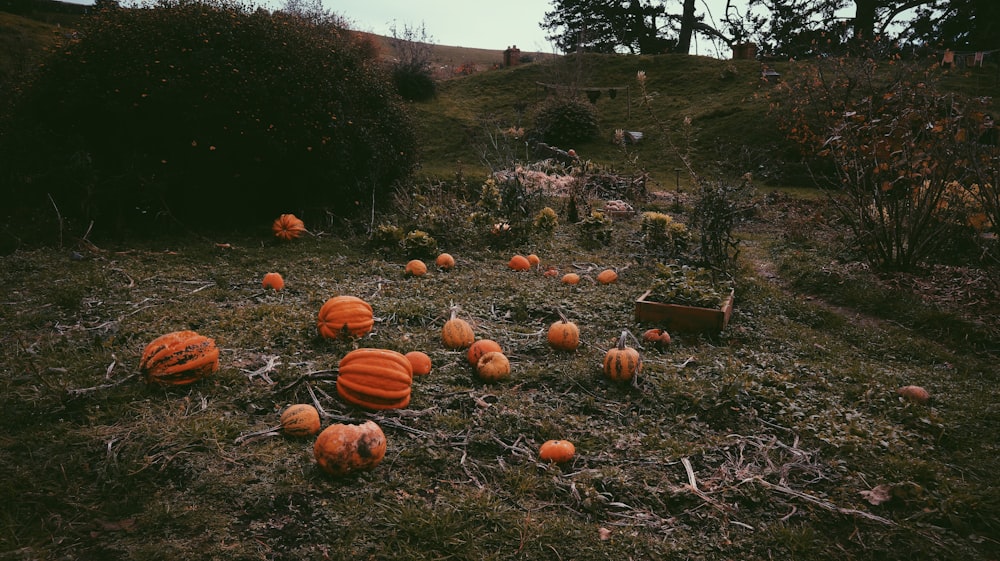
729 132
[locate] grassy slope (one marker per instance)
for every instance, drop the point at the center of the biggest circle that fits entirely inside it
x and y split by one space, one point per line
728 111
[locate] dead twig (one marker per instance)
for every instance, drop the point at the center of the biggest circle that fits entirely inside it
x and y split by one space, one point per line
81 391
272 362
820 502
329 374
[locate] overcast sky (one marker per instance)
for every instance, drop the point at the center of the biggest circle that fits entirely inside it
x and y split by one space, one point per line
481 24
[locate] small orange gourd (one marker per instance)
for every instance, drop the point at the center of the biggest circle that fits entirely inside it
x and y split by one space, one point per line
551 272
564 335
519 263
342 449
916 394
300 419
345 315
420 362
558 451
273 281
533 260
607 276
571 278
288 227
457 333
481 347
416 268
445 262
622 363
493 367
656 337
178 358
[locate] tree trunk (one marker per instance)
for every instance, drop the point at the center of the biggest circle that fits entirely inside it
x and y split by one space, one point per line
864 20
687 28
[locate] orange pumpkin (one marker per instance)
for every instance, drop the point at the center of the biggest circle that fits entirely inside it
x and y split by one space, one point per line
416 268
457 333
445 262
178 358
274 281
656 337
564 335
420 362
345 315
481 347
288 227
341 449
551 272
571 278
519 263
558 451
607 276
533 260
300 419
493 367
916 394
375 379
622 363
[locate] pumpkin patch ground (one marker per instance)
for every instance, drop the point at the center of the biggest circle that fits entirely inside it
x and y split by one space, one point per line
769 439
842 414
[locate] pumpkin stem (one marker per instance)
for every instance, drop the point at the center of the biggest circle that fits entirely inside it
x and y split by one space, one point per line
562 316
622 339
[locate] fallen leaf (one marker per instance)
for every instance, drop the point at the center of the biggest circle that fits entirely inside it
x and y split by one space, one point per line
878 495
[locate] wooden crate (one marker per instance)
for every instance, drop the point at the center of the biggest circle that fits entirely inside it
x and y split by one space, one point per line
684 319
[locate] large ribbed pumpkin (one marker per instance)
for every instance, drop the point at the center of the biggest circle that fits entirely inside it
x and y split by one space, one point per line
288 227
342 315
341 449
457 333
375 379
622 363
178 358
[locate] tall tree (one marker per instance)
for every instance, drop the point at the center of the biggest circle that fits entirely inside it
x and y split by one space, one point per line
635 26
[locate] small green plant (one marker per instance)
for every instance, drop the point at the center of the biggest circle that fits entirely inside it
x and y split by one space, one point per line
546 221
420 244
595 230
386 235
490 199
661 234
688 286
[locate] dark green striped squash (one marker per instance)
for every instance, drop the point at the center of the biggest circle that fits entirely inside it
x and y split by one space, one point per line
179 358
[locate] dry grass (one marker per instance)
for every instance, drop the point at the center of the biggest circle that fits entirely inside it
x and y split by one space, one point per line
757 444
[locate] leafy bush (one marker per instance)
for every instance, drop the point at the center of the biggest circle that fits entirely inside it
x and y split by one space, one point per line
904 154
563 121
189 108
719 207
414 82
